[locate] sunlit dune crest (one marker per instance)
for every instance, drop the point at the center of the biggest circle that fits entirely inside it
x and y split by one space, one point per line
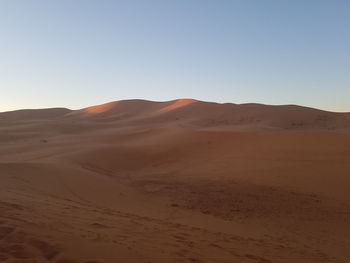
178 104
101 108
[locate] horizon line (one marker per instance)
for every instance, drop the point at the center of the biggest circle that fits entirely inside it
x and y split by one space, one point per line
163 101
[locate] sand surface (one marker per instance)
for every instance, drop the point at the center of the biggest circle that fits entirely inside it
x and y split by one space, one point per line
177 181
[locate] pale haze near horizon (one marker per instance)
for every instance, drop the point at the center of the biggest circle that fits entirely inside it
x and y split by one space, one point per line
81 53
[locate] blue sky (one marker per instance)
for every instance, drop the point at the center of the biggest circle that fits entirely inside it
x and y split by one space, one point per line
75 53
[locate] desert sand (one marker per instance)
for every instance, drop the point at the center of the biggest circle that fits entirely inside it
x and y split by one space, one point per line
176 181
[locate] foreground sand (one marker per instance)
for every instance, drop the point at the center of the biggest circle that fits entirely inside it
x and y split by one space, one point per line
180 181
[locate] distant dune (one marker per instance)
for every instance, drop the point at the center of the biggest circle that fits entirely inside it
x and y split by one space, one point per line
34 114
199 114
175 181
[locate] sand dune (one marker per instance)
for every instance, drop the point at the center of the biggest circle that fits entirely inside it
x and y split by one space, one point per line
176 181
34 114
198 114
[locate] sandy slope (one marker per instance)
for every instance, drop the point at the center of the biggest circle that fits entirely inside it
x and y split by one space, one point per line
178 181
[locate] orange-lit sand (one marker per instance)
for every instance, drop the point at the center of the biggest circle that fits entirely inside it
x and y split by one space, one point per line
177 104
101 108
177 181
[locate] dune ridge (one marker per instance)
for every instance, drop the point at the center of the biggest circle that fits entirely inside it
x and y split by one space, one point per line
199 114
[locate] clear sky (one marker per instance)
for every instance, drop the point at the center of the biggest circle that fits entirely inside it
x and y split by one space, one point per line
77 53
